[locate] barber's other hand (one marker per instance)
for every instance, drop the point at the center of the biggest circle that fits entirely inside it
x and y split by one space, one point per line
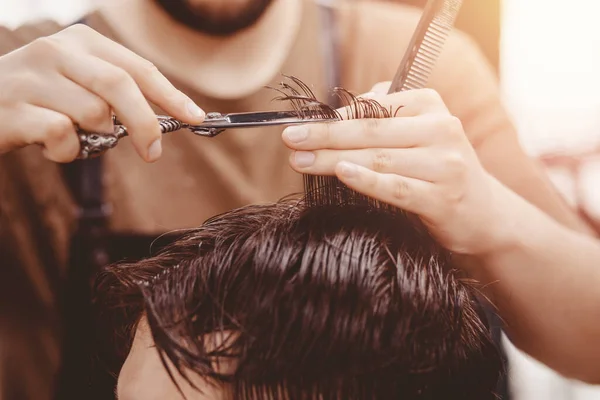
79 76
420 161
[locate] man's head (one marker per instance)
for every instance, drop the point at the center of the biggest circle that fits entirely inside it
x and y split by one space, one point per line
216 17
283 302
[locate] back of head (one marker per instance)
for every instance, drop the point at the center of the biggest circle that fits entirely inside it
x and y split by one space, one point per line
324 302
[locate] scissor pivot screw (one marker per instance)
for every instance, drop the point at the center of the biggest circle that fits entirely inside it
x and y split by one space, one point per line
214 115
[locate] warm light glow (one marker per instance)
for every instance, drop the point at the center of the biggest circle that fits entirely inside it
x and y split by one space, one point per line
551 71
551 82
16 12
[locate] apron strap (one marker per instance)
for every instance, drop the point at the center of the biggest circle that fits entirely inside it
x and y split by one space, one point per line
87 255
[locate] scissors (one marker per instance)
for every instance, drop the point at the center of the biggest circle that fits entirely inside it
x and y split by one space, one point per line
94 144
426 44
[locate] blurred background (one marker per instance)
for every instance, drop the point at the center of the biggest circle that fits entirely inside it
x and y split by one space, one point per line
547 54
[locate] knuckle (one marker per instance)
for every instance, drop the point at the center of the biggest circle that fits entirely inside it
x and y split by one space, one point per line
382 160
148 69
79 29
455 163
76 31
96 112
439 126
76 35
454 125
58 129
445 126
46 47
429 95
114 79
400 189
454 196
373 184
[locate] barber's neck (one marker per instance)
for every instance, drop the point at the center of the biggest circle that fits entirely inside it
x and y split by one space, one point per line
222 67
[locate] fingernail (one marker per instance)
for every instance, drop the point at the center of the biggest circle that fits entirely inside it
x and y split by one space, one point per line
304 159
347 169
368 95
296 134
194 110
155 150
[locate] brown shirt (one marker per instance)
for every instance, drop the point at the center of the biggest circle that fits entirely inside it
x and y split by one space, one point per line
198 177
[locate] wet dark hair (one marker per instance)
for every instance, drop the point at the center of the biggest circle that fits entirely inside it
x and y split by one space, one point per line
325 302
334 296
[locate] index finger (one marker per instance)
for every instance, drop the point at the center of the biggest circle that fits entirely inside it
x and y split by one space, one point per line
368 133
152 83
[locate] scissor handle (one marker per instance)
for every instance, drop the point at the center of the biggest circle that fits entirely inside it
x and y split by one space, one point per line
93 144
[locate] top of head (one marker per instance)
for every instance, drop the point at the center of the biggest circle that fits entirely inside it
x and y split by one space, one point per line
326 302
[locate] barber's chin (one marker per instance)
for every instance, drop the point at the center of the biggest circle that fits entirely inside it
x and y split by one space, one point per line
215 17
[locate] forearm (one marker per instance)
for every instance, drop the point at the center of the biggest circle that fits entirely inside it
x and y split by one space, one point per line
546 285
502 155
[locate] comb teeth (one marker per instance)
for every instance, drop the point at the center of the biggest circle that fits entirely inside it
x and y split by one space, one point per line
426 45
426 57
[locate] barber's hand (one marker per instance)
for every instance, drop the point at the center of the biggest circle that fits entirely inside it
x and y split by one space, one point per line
420 161
79 76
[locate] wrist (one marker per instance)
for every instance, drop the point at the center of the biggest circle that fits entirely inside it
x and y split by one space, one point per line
510 221
502 232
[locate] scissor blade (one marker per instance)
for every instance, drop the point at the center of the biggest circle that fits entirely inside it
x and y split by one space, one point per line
262 118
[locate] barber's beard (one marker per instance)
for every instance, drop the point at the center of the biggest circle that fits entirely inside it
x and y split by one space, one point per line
205 19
